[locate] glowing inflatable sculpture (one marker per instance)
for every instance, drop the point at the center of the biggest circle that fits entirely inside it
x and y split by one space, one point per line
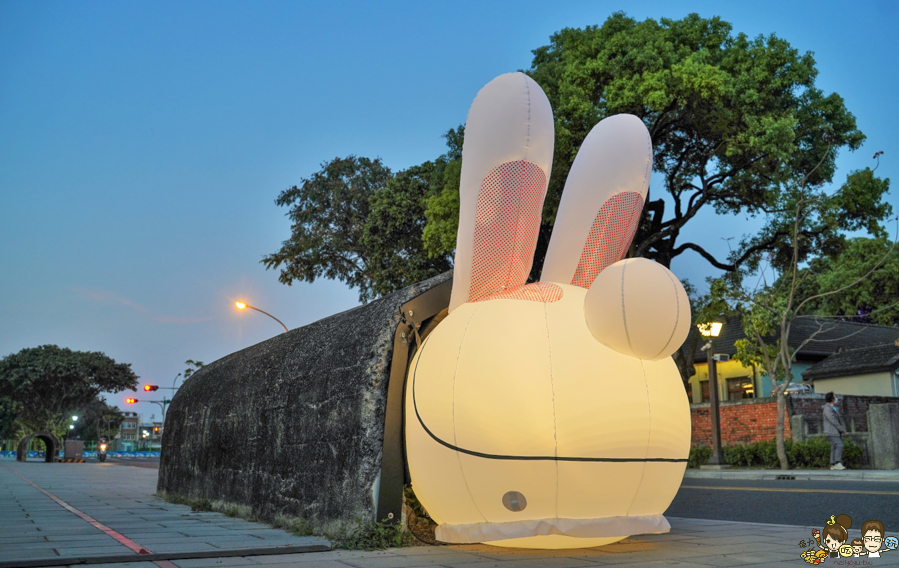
550 415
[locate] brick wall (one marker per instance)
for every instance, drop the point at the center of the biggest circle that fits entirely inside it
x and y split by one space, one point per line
742 422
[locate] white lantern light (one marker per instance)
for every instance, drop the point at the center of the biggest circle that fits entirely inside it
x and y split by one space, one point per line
525 426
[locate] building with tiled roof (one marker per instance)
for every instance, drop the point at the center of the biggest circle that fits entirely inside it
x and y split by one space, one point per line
870 371
816 338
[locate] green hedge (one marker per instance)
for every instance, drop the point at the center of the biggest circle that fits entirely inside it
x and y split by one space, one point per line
699 455
813 453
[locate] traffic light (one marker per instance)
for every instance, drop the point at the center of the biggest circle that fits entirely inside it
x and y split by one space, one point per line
156 429
130 400
149 388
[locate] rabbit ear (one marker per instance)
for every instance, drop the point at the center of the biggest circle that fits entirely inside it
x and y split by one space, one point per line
601 203
506 159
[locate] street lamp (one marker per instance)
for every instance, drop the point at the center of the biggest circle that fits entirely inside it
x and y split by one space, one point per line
710 331
244 305
71 427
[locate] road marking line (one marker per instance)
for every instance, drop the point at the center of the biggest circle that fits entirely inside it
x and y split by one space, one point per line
777 489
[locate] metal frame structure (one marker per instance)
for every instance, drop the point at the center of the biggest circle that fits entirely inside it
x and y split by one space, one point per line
418 317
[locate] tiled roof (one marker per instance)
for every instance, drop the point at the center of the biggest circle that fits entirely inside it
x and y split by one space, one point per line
856 362
829 337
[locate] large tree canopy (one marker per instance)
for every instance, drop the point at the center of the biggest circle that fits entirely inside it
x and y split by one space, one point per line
872 265
50 382
358 222
733 120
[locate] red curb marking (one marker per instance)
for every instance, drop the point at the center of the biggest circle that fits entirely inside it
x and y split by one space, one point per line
84 516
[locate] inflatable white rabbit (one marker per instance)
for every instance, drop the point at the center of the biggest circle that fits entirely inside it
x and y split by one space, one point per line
550 415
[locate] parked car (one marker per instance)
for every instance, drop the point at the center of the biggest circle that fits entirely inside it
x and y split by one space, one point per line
799 388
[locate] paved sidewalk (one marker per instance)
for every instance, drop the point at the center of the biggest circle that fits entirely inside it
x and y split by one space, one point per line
34 526
885 475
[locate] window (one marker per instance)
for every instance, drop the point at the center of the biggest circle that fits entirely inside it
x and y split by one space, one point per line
740 388
128 425
705 391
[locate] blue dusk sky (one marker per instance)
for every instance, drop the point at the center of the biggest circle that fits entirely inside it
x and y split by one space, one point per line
142 144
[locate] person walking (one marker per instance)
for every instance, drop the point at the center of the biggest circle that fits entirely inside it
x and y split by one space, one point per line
833 430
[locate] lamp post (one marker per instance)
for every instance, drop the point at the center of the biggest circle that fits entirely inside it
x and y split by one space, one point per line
244 305
710 331
71 427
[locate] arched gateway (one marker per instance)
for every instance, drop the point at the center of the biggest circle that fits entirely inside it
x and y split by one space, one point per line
51 442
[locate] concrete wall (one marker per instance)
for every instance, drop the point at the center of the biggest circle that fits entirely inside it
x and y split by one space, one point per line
870 384
883 421
295 424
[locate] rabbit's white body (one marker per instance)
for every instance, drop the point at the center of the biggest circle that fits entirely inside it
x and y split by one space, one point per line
550 415
506 381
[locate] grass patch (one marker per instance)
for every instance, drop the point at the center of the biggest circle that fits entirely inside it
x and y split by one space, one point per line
294 525
375 535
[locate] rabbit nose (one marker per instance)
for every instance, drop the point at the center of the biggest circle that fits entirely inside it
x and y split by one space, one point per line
639 308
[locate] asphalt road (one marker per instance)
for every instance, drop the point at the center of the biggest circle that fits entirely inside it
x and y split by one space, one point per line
807 503
152 463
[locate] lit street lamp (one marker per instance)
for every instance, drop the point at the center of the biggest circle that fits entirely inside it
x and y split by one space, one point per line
710 331
71 426
244 305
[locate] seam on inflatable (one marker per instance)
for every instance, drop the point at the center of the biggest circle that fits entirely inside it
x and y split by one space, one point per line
648 168
623 309
527 90
648 437
552 387
676 315
455 439
515 243
446 444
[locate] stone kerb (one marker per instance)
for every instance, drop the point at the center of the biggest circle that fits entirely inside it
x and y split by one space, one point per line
293 425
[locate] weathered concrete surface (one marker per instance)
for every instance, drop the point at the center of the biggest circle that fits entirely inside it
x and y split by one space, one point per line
883 427
292 425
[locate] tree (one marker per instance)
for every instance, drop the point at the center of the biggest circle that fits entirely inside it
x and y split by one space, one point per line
873 300
98 419
9 414
732 118
357 222
192 367
769 310
50 383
